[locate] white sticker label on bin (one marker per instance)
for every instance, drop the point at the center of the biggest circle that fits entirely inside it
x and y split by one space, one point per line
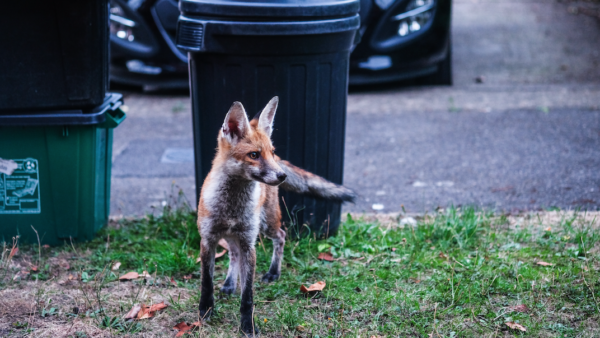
7 166
20 190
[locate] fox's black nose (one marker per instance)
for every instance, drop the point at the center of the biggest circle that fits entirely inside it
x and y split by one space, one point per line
281 177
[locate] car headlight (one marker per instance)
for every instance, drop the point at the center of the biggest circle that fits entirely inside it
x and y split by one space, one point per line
401 22
417 14
120 25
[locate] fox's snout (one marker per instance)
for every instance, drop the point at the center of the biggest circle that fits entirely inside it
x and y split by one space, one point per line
281 177
271 177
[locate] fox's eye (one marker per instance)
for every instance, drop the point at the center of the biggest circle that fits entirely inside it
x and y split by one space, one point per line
253 155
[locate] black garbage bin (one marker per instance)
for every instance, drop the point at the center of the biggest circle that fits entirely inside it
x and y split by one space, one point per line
250 51
53 55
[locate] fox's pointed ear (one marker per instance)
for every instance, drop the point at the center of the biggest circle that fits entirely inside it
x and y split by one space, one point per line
265 121
236 125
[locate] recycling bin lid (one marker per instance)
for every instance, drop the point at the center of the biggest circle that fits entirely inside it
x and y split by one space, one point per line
271 9
95 115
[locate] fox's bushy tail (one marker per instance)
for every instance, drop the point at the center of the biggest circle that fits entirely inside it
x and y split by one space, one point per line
308 184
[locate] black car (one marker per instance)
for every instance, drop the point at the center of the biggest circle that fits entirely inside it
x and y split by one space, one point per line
400 40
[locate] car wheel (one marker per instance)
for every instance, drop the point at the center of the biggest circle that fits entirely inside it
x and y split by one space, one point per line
443 75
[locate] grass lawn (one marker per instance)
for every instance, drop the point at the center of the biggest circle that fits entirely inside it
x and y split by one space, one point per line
458 273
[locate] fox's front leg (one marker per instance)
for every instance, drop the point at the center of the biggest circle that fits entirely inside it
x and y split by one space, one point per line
207 298
247 266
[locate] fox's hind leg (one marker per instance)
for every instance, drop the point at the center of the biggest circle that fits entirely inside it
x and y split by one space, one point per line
230 284
277 235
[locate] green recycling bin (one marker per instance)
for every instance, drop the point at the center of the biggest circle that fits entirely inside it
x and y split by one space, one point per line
55 172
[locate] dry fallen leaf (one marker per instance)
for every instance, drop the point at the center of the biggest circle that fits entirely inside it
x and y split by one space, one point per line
130 275
300 328
326 256
133 312
516 326
318 286
34 268
144 313
520 308
158 306
116 266
443 255
224 244
148 312
173 282
184 328
220 254
544 263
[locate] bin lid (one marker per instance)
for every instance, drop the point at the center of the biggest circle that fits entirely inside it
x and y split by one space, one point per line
95 115
271 9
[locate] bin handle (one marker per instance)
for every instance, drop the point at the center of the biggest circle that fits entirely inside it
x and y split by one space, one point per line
114 118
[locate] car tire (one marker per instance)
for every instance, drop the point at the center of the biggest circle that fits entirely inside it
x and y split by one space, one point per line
443 75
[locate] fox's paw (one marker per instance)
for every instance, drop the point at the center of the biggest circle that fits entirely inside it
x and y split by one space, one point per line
205 312
249 330
228 289
270 277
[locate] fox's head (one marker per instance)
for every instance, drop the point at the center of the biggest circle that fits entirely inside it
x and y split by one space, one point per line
246 146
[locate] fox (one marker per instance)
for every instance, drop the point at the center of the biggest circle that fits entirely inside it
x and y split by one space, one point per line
240 199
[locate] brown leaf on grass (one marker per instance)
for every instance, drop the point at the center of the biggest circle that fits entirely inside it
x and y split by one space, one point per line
116 266
181 326
224 244
130 275
326 256
133 312
144 313
520 308
184 328
516 326
158 306
318 286
443 255
173 282
544 263
300 328
150 311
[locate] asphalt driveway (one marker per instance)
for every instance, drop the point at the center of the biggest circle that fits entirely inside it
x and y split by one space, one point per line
520 129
